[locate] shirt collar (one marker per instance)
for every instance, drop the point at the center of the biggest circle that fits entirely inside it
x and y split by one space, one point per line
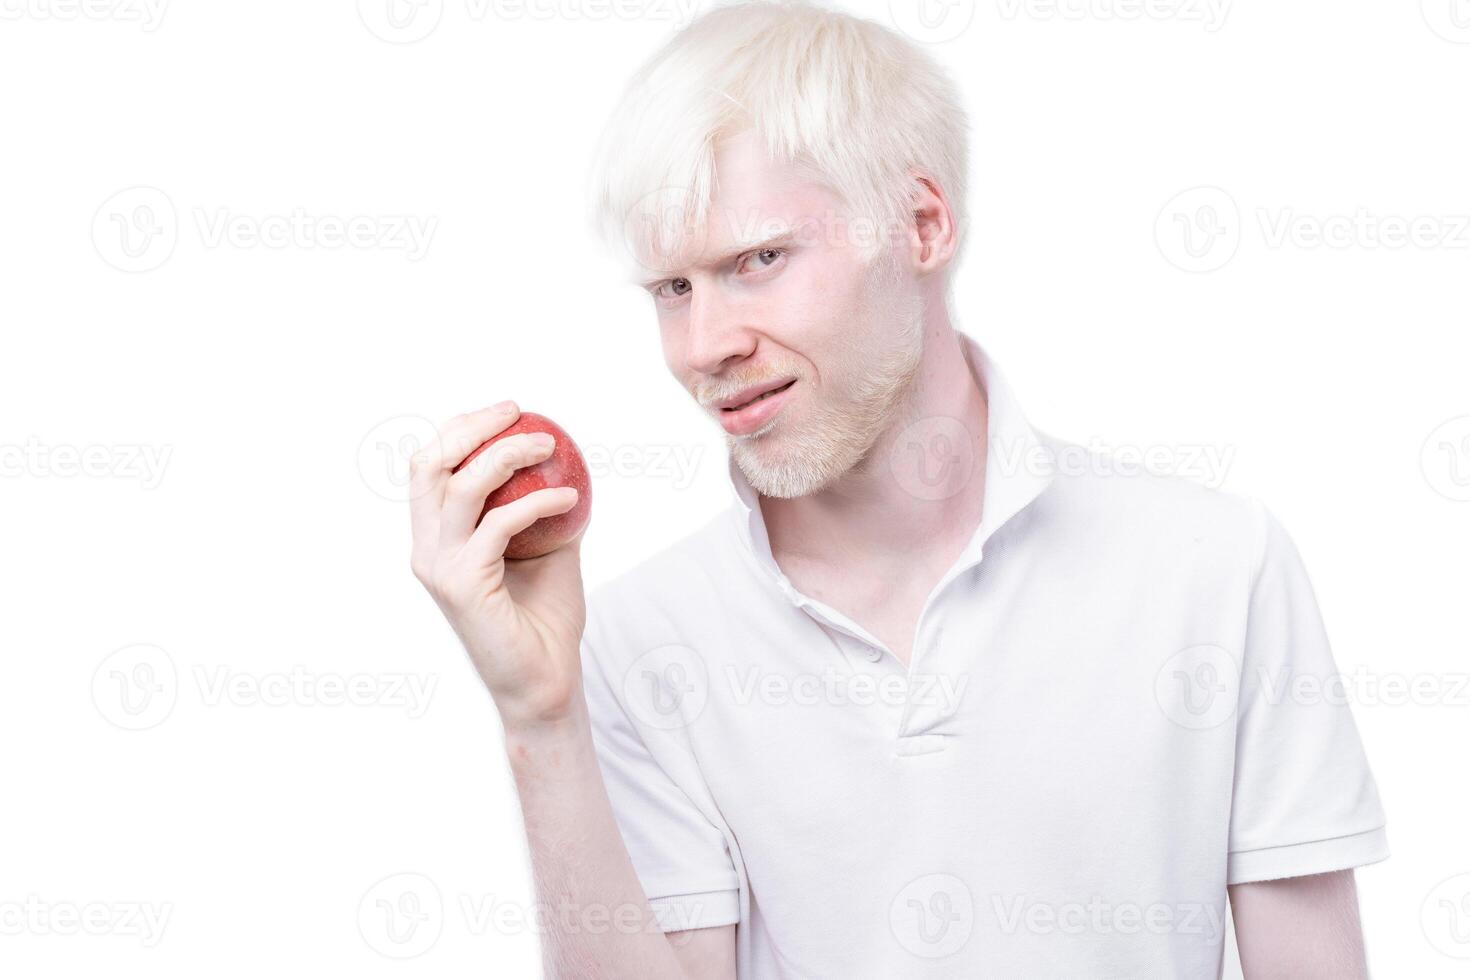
1019 465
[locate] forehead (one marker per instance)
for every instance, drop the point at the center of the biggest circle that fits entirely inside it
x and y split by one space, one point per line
755 200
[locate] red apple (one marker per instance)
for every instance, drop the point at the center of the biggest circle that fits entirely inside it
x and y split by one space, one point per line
563 468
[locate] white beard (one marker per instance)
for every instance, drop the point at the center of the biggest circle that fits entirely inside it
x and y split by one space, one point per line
837 436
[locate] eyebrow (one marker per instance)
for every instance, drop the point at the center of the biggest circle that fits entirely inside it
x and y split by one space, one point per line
647 279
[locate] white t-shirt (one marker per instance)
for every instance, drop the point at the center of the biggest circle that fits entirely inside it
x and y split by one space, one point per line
1107 718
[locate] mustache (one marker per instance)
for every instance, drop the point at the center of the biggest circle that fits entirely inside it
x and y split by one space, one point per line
709 393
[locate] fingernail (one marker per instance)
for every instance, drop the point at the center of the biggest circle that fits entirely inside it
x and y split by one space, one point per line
505 406
543 440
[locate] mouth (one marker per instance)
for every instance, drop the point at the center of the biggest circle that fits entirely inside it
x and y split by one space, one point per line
746 400
748 416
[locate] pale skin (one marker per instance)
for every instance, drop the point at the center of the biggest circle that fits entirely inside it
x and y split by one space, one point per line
741 313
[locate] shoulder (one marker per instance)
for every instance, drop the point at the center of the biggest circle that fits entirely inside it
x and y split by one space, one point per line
1153 502
669 592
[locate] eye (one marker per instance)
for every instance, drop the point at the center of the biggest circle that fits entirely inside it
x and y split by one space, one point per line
672 288
763 259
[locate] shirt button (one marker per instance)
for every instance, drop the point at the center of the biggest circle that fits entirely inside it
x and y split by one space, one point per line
874 654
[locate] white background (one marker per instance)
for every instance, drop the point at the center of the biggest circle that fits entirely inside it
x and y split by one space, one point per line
263 542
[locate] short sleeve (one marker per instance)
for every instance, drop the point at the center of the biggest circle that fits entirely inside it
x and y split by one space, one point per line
1304 799
671 828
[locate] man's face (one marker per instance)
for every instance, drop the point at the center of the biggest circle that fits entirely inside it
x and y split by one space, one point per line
781 287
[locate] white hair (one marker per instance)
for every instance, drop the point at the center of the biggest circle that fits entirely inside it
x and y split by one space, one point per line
853 104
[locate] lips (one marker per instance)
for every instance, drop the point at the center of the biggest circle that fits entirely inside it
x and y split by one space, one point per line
755 413
750 395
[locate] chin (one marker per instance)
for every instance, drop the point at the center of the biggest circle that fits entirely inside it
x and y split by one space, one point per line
778 465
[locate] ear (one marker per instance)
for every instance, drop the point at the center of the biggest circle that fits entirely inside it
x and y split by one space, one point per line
933 238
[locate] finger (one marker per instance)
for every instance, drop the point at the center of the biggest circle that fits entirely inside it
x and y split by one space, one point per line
430 467
462 435
506 521
464 497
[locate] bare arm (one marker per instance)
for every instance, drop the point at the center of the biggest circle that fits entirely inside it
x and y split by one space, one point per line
1299 928
599 923
521 623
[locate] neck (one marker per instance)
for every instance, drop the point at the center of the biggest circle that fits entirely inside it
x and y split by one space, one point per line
884 506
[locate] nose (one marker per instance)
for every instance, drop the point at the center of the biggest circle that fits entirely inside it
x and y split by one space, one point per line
718 332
